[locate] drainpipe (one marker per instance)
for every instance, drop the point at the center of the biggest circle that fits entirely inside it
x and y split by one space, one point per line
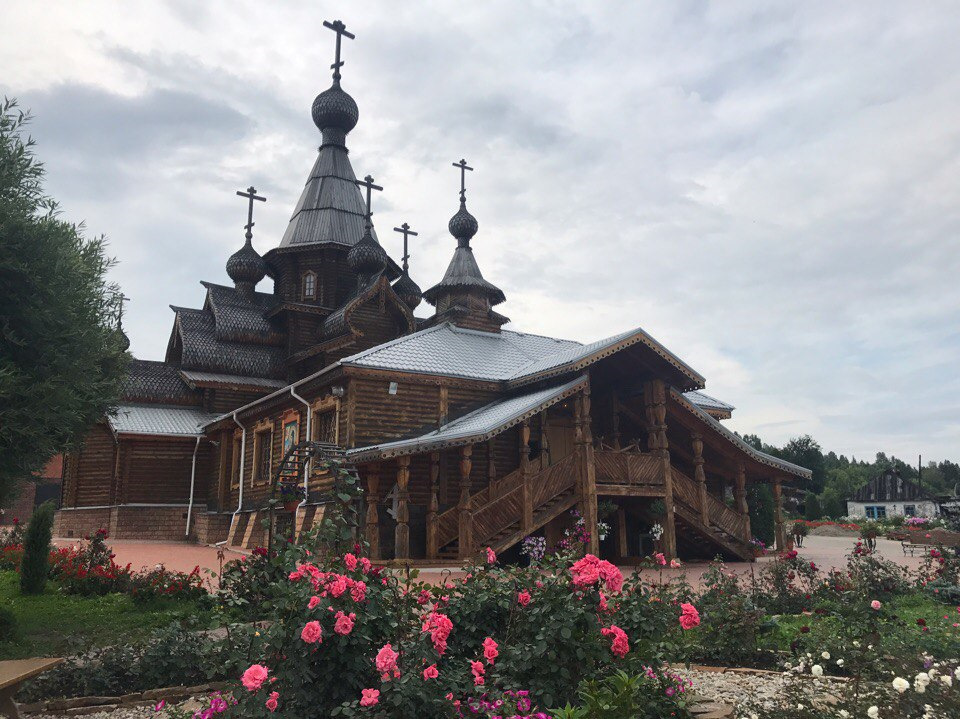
243 456
306 467
193 476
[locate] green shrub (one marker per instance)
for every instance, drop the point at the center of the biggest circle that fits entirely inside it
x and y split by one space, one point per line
811 504
760 503
36 550
8 625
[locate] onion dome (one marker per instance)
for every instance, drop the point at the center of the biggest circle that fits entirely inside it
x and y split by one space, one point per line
124 341
408 291
367 257
246 267
335 113
463 225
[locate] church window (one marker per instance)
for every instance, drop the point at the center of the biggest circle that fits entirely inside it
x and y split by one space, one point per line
262 458
324 426
310 286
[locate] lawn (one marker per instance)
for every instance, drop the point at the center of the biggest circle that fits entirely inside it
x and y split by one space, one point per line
56 624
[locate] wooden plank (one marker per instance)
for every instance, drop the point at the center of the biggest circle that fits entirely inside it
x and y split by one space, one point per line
14 671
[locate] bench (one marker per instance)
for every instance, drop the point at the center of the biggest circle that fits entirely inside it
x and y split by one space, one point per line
13 672
913 547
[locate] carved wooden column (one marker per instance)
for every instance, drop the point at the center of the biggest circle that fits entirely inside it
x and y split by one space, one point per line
781 535
588 472
544 442
660 446
526 490
372 529
741 496
622 550
492 482
701 477
433 508
401 533
615 402
464 505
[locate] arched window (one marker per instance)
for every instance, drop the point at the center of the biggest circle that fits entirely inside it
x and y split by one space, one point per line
310 286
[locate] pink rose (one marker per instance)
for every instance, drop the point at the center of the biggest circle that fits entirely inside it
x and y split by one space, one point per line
271 702
358 592
386 661
365 564
490 651
254 677
875 604
344 623
314 601
312 632
476 668
369 697
660 559
431 672
690 617
491 556
523 598
619 644
350 560
674 563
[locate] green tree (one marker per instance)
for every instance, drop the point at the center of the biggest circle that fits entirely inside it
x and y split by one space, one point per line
36 550
62 354
811 504
806 452
833 503
760 503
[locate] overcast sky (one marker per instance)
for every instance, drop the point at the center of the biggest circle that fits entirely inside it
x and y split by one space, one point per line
769 189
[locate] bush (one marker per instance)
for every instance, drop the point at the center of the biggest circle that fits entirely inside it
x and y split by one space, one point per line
760 503
36 550
161 584
622 696
811 505
8 625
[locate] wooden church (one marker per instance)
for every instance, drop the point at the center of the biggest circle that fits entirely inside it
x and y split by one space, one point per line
464 434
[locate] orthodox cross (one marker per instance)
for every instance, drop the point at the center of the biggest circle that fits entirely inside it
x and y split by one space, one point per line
368 183
121 299
341 30
463 178
251 195
405 230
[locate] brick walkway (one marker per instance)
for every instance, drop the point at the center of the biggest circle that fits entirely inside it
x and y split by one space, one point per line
826 552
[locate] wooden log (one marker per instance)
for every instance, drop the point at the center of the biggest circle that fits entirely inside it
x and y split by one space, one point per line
372 529
742 507
701 477
622 549
526 492
401 533
433 507
465 528
658 413
780 533
590 472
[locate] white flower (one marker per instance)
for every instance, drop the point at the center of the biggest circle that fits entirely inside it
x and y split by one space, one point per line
901 684
920 688
844 713
825 655
932 672
946 679
873 712
800 707
839 662
816 670
922 678
956 672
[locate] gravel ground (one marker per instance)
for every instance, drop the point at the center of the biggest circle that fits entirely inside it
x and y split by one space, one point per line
144 712
733 687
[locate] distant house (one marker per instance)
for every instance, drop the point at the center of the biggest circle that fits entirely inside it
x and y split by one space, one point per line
30 493
889 495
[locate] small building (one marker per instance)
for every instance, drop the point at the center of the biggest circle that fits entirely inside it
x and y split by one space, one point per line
890 495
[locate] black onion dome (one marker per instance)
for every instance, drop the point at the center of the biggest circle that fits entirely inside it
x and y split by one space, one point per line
463 225
408 291
124 340
367 257
246 265
334 109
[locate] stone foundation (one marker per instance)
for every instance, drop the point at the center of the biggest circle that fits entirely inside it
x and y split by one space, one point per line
157 523
210 527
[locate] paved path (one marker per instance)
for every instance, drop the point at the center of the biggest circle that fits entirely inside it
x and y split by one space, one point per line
826 552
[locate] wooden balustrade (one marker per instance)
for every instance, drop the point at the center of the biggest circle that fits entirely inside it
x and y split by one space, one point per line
685 490
637 473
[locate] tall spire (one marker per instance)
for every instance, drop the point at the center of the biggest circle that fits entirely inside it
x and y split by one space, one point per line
245 266
463 291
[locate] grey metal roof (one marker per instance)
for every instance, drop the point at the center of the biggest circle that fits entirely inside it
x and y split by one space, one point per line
890 487
705 401
733 437
330 208
159 420
151 381
505 356
193 376
477 426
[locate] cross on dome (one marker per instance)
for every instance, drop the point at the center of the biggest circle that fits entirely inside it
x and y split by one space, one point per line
405 230
251 195
367 182
463 178
338 27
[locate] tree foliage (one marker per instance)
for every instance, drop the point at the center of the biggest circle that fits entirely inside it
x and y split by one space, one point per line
36 550
62 355
760 502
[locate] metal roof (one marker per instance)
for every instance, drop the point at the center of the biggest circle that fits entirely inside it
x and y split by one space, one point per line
159 420
890 487
733 437
195 377
497 356
152 381
704 400
204 351
477 426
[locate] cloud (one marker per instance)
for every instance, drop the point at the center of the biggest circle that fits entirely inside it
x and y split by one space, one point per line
768 190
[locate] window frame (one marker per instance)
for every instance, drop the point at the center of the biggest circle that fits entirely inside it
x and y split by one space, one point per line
262 428
312 277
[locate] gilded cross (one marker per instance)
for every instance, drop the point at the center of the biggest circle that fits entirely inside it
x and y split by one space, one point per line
405 230
463 178
338 27
368 183
251 195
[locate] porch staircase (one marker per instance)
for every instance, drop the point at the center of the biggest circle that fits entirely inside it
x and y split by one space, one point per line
497 512
726 530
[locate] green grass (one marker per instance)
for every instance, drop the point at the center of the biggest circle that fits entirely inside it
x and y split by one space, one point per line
56 624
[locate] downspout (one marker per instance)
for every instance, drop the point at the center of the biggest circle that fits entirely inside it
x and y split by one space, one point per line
243 456
193 476
306 466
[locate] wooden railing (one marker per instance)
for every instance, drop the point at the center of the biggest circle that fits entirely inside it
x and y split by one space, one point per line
637 469
554 480
448 522
686 491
